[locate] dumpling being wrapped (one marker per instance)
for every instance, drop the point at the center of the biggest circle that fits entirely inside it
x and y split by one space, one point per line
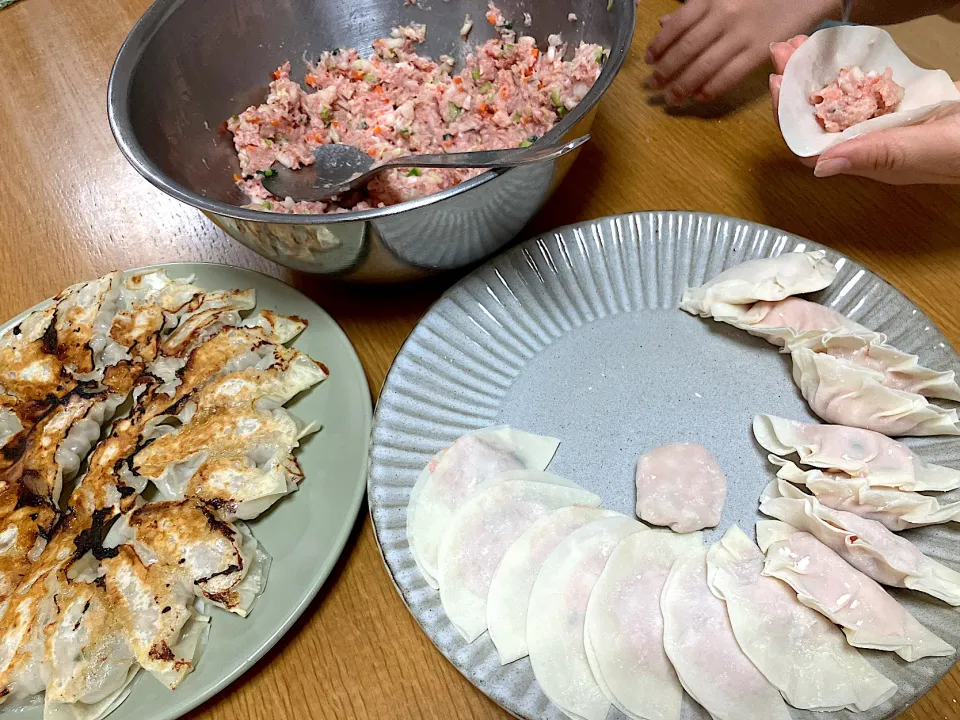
483 528
769 279
866 544
896 369
680 486
699 642
824 581
843 393
558 607
857 452
623 627
508 599
798 650
896 509
454 474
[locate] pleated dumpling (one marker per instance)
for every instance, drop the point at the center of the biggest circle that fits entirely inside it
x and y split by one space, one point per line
452 476
701 646
482 530
769 279
857 452
559 605
798 650
844 393
623 627
869 617
871 548
782 322
508 599
895 509
895 369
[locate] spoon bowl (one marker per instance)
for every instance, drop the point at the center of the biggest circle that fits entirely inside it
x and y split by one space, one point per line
341 168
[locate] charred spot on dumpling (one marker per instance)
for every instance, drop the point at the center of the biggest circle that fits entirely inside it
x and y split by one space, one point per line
90 539
49 340
162 651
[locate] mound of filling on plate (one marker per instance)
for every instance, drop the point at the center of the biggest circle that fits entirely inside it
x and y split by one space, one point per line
396 102
856 96
96 583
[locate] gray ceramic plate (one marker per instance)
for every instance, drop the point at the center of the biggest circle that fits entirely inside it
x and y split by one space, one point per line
577 335
305 532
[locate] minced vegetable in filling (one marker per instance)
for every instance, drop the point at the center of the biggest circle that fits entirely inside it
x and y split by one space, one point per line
395 103
856 96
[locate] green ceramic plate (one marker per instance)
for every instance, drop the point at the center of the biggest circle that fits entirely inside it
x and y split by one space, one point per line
305 532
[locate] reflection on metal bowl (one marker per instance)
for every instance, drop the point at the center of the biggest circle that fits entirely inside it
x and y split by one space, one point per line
188 64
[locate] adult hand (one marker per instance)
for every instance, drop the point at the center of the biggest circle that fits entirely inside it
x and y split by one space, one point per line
707 47
927 153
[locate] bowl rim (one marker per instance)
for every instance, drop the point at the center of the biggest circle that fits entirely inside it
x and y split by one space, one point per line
118 113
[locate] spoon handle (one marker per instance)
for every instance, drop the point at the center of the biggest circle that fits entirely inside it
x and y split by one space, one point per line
486 158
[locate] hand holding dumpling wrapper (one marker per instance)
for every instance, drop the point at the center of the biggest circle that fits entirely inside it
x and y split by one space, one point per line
916 143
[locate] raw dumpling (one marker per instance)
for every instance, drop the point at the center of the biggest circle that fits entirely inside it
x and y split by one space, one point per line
509 596
454 473
854 451
558 606
680 486
784 321
799 651
896 509
623 628
700 643
769 279
824 581
898 370
843 393
481 531
871 548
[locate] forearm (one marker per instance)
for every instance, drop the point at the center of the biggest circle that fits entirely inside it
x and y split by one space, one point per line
889 12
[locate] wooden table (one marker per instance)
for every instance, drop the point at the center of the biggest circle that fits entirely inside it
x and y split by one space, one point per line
72 208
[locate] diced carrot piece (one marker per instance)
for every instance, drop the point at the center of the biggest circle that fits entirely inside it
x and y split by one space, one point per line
372 152
276 74
275 123
535 52
377 130
311 80
492 18
237 178
458 80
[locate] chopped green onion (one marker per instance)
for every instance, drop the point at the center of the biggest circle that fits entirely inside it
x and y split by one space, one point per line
326 115
267 141
454 110
363 125
555 98
336 51
562 111
405 132
447 136
235 118
267 173
415 172
486 87
267 205
609 5
510 46
371 78
476 75
517 117
525 143
599 55
506 26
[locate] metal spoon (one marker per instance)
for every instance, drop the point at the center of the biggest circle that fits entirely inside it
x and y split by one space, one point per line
341 168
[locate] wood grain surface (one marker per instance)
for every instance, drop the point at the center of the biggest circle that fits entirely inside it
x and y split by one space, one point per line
71 208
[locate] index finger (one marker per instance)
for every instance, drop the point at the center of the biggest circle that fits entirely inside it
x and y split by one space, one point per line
673 27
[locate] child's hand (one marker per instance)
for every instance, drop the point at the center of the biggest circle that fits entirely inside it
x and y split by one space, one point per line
927 153
707 47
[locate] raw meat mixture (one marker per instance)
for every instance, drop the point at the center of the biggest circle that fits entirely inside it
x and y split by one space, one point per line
397 103
856 96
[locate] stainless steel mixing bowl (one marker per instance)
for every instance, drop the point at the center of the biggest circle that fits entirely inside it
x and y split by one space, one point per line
188 65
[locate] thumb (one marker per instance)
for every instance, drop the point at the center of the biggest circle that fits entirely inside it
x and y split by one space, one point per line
917 154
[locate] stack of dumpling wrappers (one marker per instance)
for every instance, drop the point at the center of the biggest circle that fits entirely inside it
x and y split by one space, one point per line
612 612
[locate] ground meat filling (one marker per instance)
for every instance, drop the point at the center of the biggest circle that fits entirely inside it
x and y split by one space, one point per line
397 103
856 96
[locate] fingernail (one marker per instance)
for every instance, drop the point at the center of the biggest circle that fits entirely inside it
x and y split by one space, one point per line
772 46
648 58
652 83
674 97
831 167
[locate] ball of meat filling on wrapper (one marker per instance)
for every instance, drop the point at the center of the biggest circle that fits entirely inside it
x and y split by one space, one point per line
818 63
